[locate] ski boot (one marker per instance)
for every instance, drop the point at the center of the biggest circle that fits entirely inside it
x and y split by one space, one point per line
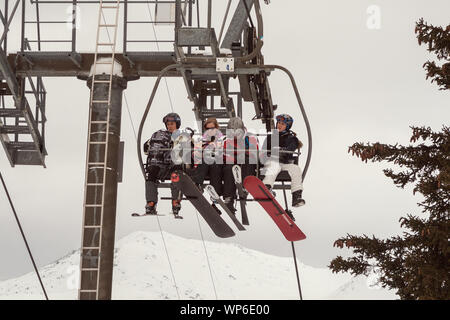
176 207
297 200
150 208
269 187
229 202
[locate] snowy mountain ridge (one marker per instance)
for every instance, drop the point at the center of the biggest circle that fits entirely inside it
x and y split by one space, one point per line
227 271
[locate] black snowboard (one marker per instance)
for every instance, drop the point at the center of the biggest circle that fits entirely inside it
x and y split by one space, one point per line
184 183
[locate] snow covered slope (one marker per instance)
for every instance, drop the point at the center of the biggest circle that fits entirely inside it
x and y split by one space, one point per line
142 271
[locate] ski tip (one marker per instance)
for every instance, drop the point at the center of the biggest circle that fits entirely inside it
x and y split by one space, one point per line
299 237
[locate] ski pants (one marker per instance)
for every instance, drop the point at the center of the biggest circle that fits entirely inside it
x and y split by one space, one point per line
229 185
215 175
273 167
151 183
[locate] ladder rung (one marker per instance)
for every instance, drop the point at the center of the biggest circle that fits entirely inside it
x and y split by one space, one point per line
105 44
99 121
110 7
102 81
92 227
94 184
103 62
89 269
93 205
100 101
97 142
81 290
107 25
96 163
90 248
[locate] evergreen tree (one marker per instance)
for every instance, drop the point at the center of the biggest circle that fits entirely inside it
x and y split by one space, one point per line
417 263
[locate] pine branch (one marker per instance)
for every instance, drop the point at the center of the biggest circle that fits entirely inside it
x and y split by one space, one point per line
438 40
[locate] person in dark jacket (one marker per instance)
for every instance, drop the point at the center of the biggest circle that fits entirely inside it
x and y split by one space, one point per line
159 164
287 145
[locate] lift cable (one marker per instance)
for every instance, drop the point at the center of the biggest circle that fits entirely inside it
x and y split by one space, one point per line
296 271
168 93
157 46
157 218
23 236
141 126
159 225
293 249
248 13
224 21
207 257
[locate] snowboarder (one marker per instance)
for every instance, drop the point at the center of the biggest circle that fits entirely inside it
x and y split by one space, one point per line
240 147
159 163
208 157
288 143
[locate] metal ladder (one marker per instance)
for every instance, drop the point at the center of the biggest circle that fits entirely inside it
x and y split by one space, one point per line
98 136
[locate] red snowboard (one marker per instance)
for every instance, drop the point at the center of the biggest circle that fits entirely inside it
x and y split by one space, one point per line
265 198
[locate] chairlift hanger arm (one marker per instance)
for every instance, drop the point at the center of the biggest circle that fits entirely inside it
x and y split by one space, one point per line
147 109
302 109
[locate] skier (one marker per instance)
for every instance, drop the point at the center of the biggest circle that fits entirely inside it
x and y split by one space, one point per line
159 164
241 148
288 143
208 157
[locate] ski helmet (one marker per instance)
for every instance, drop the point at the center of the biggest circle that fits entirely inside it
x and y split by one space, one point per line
286 119
172 117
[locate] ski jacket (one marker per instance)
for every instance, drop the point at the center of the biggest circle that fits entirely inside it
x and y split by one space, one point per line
288 141
241 149
158 148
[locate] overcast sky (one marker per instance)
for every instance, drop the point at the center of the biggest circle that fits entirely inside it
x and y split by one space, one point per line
360 81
